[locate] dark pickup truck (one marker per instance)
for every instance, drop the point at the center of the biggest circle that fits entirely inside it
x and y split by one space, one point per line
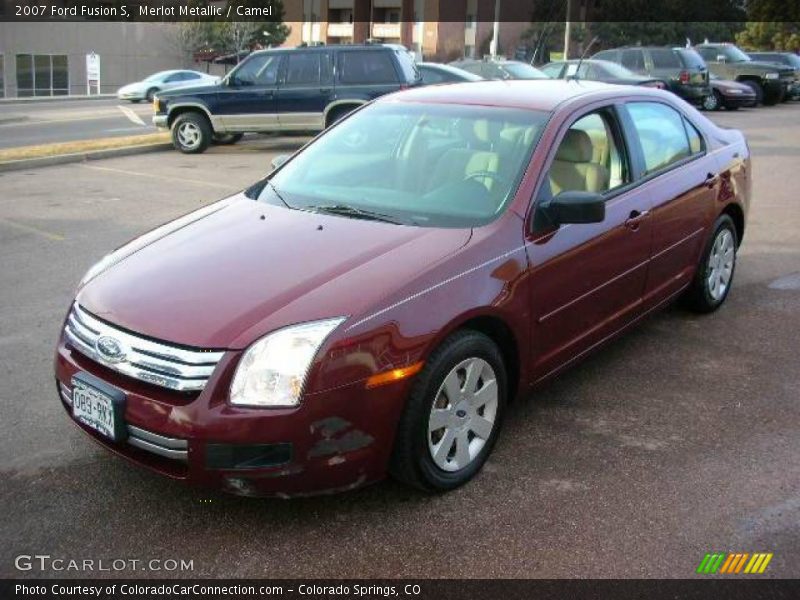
284 90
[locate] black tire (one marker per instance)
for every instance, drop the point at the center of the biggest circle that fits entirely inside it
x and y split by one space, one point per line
700 297
150 94
757 89
773 97
200 130
712 102
227 139
412 461
337 114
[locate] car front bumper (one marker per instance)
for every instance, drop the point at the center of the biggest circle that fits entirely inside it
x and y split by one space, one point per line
334 441
738 100
161 121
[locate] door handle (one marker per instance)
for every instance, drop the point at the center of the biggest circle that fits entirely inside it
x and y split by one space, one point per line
711 180
635 219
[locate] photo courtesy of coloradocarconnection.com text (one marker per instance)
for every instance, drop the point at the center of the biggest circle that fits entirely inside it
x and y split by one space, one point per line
399 299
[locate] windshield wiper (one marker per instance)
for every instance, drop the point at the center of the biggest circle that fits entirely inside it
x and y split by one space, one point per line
278 194
351 211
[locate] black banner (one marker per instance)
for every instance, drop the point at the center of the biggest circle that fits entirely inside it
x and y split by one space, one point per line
510 589
529 11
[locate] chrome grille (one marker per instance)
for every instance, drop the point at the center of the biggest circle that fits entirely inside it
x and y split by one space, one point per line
154 362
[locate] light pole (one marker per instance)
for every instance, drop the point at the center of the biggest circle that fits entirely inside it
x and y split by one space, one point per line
567 30
495 30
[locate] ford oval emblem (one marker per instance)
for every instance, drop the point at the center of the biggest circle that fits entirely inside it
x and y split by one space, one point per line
109 349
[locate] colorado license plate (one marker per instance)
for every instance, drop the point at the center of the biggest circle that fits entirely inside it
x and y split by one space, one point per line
97 409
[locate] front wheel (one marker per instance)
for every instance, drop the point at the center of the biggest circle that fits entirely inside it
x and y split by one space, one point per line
191 133
714 277
453 415
757 89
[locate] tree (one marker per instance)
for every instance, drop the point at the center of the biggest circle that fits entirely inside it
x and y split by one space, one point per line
765 35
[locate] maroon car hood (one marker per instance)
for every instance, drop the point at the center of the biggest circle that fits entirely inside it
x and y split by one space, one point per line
231 276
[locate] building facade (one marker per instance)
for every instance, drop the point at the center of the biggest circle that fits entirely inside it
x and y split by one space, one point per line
434 29
49 59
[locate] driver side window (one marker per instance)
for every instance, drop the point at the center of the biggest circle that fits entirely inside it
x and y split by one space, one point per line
261 69
589 158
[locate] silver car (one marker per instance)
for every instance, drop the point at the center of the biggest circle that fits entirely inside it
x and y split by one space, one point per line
163 80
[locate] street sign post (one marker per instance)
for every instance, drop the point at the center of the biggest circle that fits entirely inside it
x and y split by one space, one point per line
92 73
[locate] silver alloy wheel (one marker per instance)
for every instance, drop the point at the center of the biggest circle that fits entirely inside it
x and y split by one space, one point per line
711 102
720 264
463 414
189 135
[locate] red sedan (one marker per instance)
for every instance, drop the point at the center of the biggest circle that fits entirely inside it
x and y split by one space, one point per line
373 305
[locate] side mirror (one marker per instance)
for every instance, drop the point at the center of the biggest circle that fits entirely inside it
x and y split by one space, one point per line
575 207
279 160
721 58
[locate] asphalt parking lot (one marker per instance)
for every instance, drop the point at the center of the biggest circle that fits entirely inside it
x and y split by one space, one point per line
681 438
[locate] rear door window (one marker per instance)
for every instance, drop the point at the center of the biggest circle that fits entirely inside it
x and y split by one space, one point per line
303 68
662 134
366 67
633 59
665 58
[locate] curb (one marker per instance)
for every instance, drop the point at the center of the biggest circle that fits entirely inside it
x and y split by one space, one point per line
46 99
63 159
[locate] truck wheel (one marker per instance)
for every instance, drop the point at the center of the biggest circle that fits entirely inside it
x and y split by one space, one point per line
191 133
337 114
712 102
757 89
772 97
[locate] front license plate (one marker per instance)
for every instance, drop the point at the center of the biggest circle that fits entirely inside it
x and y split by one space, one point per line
98 406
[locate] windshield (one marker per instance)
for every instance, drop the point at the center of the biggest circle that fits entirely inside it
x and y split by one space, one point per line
523 71
733 54
158 76
414 164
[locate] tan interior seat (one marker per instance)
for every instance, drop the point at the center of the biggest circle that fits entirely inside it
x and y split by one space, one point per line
573 168
478 156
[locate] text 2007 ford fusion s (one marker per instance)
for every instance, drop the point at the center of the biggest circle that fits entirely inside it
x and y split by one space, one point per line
373 305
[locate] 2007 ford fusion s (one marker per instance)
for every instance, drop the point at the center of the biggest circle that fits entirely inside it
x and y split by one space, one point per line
373 305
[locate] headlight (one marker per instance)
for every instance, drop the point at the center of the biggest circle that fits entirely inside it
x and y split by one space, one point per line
273 370
771 76
733 91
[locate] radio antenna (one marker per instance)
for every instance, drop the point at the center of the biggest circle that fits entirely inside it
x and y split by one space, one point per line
585 52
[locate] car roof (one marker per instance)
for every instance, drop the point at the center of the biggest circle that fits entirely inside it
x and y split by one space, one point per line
539 94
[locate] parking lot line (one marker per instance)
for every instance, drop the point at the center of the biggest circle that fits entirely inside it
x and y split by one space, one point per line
30 229
132 116
164 177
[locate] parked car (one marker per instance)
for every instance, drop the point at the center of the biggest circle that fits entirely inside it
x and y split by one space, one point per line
682 69
284 90
769 81
787 59
162 81
433 73
598 70
499 68
730 95
245 346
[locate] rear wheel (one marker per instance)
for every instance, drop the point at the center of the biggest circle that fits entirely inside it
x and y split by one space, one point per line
757 90
191 133
714 277
453 415
337 114
713 101
151 93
